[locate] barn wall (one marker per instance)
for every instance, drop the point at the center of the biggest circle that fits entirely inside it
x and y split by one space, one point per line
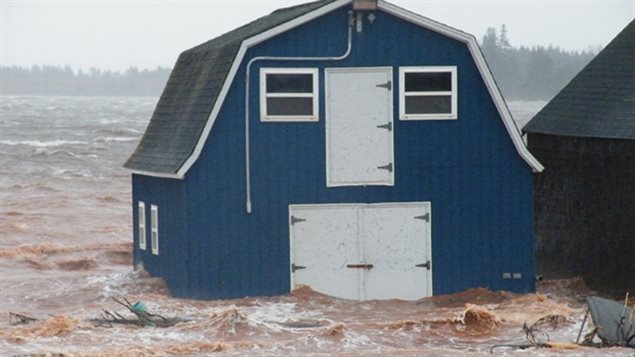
479 188
172 262
585 210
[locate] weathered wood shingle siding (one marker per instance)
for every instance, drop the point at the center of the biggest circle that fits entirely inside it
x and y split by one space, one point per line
585 210
478 185
585 199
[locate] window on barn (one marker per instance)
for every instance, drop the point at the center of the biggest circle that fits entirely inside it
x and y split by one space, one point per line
142 225
154 229
289 94
427 93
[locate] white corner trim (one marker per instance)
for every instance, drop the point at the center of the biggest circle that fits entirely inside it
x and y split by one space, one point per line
393 10
246 44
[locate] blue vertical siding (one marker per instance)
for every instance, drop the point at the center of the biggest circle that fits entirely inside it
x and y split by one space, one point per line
172 262
479 188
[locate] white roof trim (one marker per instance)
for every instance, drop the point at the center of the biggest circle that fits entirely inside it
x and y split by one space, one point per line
490 83
155 174
417 19
252 41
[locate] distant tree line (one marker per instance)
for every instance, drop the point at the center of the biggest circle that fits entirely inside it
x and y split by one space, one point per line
536 73
522 73
56 80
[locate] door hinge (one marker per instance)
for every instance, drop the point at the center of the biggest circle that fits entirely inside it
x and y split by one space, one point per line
425 217
359 266
295 220
296 267
387 85
424 265
386 167
387 126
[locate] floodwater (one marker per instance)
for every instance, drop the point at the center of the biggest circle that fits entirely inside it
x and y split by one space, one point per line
65 252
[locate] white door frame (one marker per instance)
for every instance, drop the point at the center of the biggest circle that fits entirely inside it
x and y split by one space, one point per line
390 118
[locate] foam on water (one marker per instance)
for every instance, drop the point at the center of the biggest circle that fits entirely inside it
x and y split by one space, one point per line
65 250
43 144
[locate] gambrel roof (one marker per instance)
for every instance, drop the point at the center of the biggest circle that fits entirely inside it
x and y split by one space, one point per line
192 91
600 101
200 80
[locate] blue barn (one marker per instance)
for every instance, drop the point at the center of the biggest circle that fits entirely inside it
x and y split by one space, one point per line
351 146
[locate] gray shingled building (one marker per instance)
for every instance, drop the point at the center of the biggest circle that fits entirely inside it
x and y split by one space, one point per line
585 198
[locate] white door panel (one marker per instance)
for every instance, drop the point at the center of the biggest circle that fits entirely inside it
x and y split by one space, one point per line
359 126
321 263
394 241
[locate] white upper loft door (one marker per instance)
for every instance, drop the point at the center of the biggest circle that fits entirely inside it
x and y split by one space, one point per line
359 127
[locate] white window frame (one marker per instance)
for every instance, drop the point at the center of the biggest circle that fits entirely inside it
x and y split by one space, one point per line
428 116
154 228
288 118
141 215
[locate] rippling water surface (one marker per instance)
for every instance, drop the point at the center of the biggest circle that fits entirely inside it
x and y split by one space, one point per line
65 252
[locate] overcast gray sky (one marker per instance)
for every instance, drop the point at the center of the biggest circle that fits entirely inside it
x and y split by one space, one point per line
118 34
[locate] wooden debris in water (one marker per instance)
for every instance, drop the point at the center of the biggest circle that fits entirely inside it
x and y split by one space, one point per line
537 337
19 319
143 317
536 333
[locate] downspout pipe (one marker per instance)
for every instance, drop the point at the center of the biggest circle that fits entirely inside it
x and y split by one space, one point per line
351 20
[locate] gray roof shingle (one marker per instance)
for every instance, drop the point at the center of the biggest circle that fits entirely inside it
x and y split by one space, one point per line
191 92
600 101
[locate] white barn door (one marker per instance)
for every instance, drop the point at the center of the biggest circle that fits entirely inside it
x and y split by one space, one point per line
313 260
362 251
397 242
359 127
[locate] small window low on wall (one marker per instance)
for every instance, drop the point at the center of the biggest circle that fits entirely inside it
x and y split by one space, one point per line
154 229
427 93
289 94
142 225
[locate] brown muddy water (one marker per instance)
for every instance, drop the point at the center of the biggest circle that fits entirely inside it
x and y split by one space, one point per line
65 252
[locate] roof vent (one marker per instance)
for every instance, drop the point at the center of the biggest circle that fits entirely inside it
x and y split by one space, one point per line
364 4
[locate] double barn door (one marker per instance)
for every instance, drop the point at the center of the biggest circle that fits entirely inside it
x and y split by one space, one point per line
362 251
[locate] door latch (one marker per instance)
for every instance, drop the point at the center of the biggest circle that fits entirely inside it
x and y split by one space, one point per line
424 265
360 266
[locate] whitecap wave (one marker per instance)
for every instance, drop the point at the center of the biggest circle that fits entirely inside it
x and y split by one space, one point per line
42 144
109 139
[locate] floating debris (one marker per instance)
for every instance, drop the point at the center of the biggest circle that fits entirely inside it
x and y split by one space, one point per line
19 319
614 322
536 335
143 316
